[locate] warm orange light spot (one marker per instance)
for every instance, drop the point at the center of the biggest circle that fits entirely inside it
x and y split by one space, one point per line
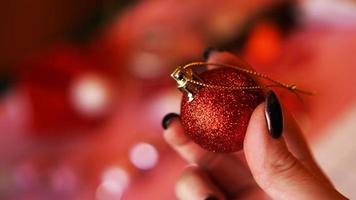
264 43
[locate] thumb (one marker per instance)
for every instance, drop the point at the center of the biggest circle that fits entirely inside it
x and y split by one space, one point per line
276 170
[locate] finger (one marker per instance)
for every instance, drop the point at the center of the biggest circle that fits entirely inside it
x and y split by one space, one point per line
225 169
273 166
195 184
298 146
293 135
175 137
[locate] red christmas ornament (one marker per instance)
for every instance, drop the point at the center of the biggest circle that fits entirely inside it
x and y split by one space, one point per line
217 119
218 103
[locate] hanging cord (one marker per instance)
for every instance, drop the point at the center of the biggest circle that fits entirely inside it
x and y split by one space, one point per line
274 83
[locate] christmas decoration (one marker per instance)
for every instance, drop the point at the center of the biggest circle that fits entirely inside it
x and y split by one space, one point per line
218 103
217 119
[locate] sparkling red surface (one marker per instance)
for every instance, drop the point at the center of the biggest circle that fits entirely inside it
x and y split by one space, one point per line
217 119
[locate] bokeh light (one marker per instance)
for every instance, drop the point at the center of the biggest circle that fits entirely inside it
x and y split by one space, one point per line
114 182
144 156
147 65
90 95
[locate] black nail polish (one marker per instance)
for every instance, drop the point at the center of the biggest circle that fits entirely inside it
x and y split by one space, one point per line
167 119
211 197
207 52
274 115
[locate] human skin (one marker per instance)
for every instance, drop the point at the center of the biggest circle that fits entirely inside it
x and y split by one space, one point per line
267 168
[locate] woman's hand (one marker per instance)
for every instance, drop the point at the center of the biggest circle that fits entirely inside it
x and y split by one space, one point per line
274 163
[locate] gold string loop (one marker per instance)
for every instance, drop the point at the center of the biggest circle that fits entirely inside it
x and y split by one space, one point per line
184 75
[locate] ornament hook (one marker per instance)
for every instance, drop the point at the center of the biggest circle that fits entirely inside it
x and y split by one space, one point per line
183 77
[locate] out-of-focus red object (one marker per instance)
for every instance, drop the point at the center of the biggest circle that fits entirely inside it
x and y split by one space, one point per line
67 89
264 43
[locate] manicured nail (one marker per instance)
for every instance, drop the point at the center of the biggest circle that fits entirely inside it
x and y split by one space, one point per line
167 119
274 115
211 197
207 52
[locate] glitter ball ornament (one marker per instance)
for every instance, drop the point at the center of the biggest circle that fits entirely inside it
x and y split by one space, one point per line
217 119
217 104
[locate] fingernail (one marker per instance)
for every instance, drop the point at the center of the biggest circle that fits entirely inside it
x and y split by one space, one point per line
167 119
274 115
207 52
211 197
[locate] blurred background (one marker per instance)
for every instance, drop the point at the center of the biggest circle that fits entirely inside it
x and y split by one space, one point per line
84 86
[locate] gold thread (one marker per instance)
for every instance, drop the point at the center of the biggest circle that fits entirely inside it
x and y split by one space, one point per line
291 87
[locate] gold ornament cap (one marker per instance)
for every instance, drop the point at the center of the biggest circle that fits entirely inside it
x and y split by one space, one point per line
184 78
